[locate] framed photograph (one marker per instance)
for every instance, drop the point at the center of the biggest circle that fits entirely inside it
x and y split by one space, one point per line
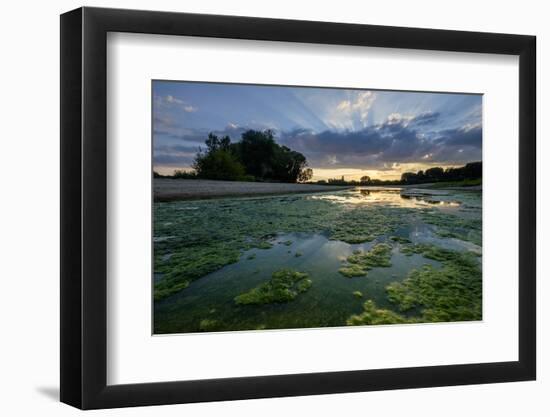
257 208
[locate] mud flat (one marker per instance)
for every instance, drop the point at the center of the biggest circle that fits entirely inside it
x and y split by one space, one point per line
167 189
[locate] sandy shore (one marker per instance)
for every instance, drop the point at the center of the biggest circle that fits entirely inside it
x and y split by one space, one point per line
166 189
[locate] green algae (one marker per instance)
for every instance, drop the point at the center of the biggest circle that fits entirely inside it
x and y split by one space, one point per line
207 235
304 285
196 238
429 294
357 294
378 256
287 242
365 224
435 253
298 254
264 245
226 230
189 264
400 239
450 293
352 271
285 285
353 238
358 263
162 290
251 256
453 226
373 315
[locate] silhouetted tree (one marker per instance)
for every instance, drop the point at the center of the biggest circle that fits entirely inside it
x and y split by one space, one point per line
472 170
213 143
218 162
256 152
305 175
180 173
259 156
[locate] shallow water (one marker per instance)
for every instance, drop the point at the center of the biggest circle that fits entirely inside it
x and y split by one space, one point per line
392 197
208 302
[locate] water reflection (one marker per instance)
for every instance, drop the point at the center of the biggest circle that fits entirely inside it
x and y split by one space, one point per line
396 197
328 303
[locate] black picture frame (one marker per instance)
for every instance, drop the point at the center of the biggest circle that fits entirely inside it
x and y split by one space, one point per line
84 207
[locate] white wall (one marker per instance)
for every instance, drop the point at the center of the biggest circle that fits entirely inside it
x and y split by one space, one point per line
29 238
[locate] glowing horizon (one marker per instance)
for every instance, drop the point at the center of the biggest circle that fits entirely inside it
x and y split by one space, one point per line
349 174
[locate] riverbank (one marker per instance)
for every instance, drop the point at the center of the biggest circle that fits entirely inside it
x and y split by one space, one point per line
168 189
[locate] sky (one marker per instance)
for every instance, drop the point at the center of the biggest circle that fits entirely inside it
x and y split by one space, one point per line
342 132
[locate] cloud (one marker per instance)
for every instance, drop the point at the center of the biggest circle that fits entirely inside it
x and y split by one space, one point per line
166 128
424 119
353 111
172 100
179 155
168 102
176 132
398 119
173 160
398 139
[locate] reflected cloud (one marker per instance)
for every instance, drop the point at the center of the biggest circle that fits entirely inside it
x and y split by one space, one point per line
393 197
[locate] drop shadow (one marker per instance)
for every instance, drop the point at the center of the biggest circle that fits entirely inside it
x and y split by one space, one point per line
50 392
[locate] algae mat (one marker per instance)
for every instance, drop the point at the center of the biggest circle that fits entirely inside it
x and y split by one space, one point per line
357 257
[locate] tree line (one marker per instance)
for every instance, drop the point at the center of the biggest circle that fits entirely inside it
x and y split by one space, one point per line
469 172
256 157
